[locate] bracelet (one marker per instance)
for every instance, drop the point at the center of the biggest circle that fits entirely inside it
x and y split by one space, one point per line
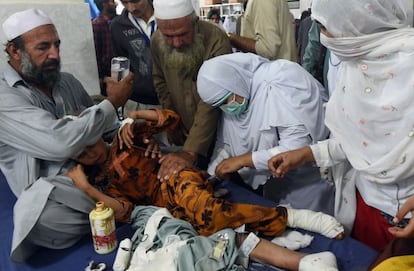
249 244
160 116
126 121
123 123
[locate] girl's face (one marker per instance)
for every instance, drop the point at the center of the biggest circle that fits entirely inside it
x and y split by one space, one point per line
96 154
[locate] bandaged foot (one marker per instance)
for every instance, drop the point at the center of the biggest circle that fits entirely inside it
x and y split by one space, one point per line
316 222
323 261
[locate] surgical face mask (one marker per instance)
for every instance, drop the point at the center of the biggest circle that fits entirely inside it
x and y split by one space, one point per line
233 107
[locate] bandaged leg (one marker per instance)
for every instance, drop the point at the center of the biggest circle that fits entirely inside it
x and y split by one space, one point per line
323 261
316 222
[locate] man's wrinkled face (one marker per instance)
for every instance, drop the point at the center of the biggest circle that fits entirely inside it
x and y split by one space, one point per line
40 59
178 33
183 46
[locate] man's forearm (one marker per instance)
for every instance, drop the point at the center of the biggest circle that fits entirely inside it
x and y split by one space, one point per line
242 43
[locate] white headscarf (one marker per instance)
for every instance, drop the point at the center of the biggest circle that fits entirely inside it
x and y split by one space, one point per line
355 18
280 93
371 111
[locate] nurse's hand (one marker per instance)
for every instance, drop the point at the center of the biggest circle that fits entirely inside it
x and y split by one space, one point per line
283 162
408 231
233 164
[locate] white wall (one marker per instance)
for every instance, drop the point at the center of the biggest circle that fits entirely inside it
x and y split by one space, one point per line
305 4
73 23
410 2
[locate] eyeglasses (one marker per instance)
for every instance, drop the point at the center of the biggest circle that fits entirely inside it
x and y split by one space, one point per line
129 1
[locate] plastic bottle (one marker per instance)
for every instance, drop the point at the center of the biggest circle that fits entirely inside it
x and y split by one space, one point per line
103 228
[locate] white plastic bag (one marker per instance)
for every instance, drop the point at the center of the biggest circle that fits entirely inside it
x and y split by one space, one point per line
164 258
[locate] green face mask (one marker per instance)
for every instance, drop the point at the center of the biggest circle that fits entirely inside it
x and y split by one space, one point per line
234 108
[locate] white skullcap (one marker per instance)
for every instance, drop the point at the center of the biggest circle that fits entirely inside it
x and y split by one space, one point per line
172 9
24 21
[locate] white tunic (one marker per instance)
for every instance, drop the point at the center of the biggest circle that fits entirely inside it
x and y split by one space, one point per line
36 143
370 113
285 108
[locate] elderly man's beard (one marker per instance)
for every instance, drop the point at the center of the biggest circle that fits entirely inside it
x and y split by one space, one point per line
46 75
187 60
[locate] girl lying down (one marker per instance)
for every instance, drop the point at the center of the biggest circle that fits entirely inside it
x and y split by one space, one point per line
189 196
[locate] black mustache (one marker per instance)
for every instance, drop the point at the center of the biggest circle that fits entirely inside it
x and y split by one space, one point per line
51 63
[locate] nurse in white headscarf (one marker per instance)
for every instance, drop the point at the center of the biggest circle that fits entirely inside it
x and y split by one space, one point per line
268 107
370 115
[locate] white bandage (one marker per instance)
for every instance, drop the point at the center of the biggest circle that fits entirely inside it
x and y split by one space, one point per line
123 123
323 261
126 121
249 244
314 221
293 240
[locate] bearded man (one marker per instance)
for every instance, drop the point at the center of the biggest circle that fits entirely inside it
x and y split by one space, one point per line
37 141
179 47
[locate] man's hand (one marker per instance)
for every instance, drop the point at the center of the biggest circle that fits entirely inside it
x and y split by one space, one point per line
172 163
119 92
408 231
283 162
233 164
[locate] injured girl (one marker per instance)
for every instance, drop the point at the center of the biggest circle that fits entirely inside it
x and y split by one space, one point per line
189 196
